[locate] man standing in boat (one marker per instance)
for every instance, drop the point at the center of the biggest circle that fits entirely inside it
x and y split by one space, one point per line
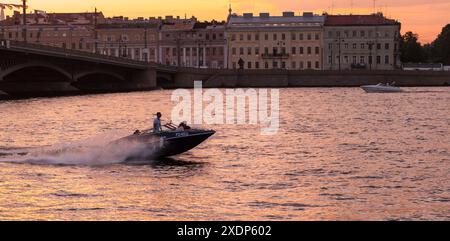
157 123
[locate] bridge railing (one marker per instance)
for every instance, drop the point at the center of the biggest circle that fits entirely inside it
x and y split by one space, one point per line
67 52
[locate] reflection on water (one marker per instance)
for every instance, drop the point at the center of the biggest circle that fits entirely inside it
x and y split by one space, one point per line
340 154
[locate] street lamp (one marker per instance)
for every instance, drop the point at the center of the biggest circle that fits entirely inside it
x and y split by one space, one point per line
339 41
24 6
370 44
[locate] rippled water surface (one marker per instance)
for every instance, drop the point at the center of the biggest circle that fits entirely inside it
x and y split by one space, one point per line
340 154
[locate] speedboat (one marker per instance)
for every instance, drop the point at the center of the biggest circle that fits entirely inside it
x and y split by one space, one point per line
381 88
170 141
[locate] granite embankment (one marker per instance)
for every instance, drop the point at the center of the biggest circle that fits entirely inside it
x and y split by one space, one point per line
184 78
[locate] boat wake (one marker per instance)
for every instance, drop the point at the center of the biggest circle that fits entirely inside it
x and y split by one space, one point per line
94 151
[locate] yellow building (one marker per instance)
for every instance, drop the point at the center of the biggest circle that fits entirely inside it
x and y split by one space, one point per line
275 42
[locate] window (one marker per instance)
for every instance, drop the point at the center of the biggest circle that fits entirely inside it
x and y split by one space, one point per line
275 50
266 65
302 65
370 59
294 50
346 45
241 37
283 50
283 65
363 46
354 34
362 60
309 65
241 51
317 36
283 36
249 65
378 46
257 37
275 64
256 65
233 37
233 51
266 50
378 59
330 59
249 51
257 51
249 37
354 59
317 65
309 50
346 59
309 37
317 50
293 36
386 46
266 37
275 36
386 59
301 50
301 36
354 46
363 33
293 65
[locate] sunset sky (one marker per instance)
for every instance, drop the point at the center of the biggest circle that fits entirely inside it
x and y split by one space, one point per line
426 17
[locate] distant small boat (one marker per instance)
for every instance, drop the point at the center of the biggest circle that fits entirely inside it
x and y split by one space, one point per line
381 88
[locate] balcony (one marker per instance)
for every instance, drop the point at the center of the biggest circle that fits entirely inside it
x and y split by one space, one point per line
275 56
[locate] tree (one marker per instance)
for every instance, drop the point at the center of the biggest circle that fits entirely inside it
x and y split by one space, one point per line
440 48
411 49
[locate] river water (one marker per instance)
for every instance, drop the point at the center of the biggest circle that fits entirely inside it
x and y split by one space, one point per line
340 154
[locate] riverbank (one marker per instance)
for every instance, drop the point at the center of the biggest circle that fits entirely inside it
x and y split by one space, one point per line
185 78
307 78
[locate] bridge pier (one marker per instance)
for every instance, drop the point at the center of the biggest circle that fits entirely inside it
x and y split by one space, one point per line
3 95
35 89
143 79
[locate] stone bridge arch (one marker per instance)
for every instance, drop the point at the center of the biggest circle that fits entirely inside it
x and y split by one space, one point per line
24 66
81 75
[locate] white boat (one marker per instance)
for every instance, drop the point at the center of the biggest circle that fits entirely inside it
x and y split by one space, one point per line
381 88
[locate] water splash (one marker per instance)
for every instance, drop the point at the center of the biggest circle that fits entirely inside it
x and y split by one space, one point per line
98 150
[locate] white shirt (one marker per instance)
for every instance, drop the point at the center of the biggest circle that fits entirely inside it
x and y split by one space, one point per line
157 125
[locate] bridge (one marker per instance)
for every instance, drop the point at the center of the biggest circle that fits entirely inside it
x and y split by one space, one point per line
28 69
33 69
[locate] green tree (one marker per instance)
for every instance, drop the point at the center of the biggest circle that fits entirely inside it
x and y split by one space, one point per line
411 49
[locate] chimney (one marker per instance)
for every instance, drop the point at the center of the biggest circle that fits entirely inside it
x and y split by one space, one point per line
308 14
288 14
248 15
264 15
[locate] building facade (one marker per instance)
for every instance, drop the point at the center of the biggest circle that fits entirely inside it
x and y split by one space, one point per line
361 42
193 44
289 41
275 42
133 40
64 30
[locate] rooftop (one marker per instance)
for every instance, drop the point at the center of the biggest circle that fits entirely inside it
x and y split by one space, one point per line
287 17
358 20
